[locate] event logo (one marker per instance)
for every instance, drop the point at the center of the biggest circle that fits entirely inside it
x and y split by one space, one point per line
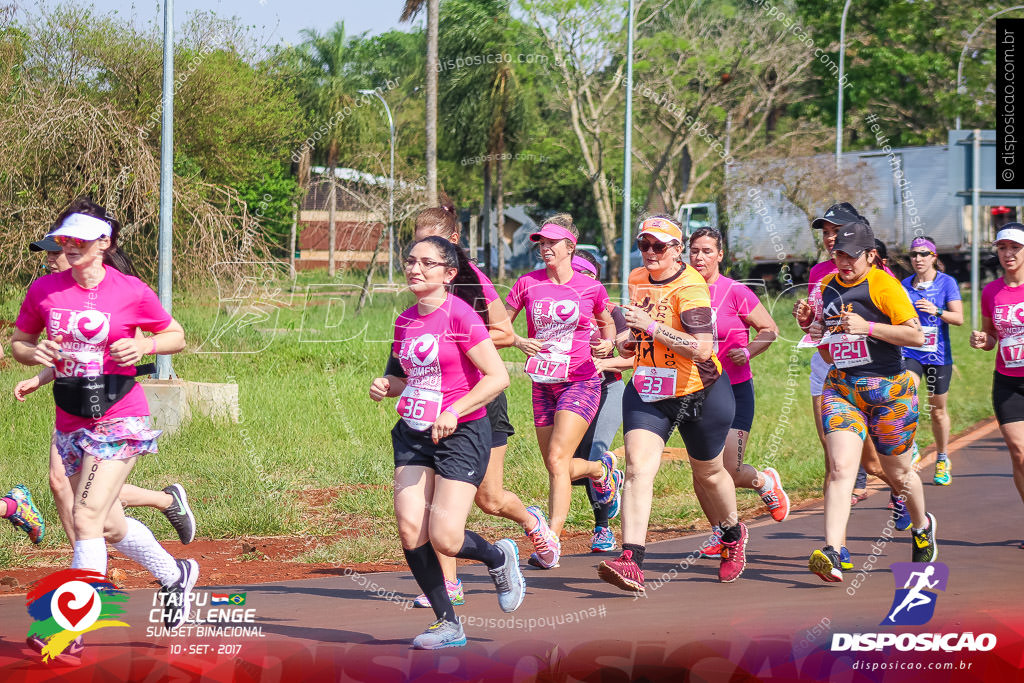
91 327
423 350
68 603
565 312
914 602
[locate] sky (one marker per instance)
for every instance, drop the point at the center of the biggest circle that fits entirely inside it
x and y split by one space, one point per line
282 19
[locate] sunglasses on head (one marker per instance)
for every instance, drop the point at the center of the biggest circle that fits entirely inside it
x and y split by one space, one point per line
656 247
76 242
922 254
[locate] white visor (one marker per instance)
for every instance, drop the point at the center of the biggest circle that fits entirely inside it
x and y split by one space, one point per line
1012 234
83 227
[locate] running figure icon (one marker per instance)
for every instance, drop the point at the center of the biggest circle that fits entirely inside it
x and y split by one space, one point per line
916 597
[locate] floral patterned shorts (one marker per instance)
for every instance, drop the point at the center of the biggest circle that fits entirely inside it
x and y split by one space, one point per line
117 439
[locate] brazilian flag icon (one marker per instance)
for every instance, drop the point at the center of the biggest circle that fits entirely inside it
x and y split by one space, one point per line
237 598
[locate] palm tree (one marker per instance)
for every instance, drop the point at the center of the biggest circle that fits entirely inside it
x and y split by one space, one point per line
330 87
412 7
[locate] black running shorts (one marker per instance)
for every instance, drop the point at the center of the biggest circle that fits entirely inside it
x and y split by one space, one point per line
1008 398
936 377
501 428
462 456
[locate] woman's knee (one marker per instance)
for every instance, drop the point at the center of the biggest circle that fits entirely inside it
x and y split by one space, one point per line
447 541
491 502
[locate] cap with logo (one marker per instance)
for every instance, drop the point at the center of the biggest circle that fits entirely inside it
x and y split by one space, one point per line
854 239
838 214
661 229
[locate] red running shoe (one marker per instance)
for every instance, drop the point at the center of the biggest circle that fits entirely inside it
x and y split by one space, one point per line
712 548
734 557
623 573
774 496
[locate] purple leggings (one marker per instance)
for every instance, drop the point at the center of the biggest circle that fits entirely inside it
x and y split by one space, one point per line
582 397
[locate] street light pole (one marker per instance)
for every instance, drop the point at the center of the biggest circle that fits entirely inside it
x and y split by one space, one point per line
391 189
839 104
961 87
627 167
165 240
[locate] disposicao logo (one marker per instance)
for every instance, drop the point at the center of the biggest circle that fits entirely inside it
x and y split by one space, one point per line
68 603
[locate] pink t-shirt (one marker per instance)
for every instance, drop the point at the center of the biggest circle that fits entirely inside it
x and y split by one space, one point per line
560 315
432 350
89 321
1005 306
490 293
731 302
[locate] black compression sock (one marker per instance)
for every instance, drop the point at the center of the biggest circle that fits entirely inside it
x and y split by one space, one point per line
426 569
600 511
638 553
475 547
730 534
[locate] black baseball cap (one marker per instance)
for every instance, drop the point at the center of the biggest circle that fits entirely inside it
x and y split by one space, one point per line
854 239
840 213
45 244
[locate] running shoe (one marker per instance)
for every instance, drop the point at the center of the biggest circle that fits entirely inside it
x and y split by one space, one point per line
826 564
546 546
455 594
712 548
845 561
774 496
900 514
613 511
925 549
623 572
603 540
26 517
179 514
606 485
734 557
943 475
176 597
440 634
508 578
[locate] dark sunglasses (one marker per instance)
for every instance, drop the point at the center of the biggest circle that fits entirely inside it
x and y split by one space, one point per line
656 247
922 254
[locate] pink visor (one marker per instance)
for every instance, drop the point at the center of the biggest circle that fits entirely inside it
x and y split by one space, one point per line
581 264
553 232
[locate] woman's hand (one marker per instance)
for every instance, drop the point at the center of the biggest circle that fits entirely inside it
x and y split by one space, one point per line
602 348
803 312
25 387
129 350
979 340
738 357
816 330
636 317
444 426
528 345
854 324
926 306
47 352
379 388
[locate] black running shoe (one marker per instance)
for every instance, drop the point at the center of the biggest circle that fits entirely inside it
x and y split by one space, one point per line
176 597
925 549
179 514
826 564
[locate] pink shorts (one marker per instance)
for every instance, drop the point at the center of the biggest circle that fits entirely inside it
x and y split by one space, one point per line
582 397
117 439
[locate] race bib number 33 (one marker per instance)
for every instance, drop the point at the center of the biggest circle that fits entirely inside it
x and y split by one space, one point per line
654 384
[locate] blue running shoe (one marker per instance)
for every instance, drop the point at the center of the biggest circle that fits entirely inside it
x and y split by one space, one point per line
603 540
900 514
845 561
613 511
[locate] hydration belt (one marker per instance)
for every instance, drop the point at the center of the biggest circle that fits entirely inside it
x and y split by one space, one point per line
92 397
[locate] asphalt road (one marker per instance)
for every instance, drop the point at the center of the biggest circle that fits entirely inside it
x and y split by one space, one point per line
776 622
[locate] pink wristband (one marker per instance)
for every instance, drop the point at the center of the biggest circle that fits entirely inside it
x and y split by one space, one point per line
451 409
871 328
651 329
746 351
152 351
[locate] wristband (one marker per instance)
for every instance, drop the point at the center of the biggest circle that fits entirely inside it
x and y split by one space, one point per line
746 351
451 409
651 329
152 351
871 328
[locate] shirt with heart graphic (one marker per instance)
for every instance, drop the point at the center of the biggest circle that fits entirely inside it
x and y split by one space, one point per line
560 316
1004 305
88 322
432 349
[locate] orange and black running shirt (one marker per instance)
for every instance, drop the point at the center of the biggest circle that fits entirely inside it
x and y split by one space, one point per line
683 303
876 297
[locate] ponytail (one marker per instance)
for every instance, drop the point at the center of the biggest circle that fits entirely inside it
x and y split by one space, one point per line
466 284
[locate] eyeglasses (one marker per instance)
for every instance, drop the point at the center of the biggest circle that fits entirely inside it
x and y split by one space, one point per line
76 242
424 264
656 247
921 254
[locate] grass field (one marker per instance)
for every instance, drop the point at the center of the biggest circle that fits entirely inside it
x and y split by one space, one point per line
303 363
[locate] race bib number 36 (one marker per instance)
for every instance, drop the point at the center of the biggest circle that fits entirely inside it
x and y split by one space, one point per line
849 350
1011 350
419 408
654 384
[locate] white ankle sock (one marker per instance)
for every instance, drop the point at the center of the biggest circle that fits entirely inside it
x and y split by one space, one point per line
140 545
91 553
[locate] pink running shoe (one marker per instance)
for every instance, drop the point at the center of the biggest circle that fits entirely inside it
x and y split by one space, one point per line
547 548
774 496
734 557
712 548
623 573
607 484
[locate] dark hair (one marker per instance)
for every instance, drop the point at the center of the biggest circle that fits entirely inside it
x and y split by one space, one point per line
883 251
713 233
466 284
441 218
113 256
